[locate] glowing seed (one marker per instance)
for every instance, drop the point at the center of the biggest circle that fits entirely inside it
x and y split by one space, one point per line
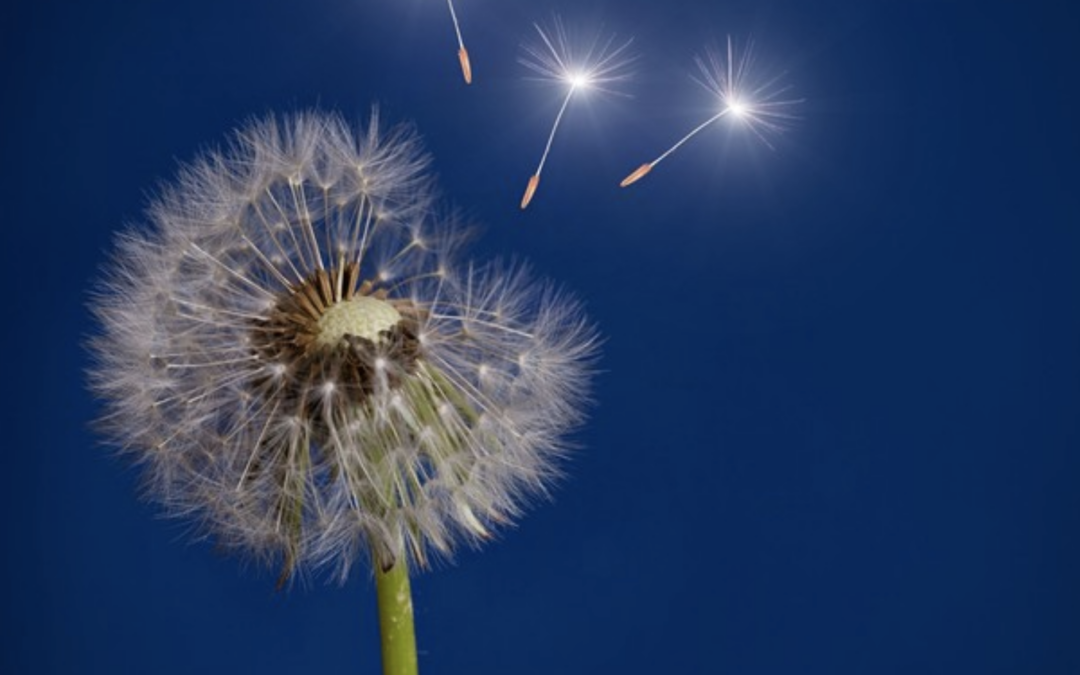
466 67
637 175
530 190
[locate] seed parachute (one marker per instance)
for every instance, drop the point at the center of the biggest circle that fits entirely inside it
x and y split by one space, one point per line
554 58
742 96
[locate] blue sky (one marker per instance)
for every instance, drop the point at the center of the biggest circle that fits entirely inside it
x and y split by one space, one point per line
836 424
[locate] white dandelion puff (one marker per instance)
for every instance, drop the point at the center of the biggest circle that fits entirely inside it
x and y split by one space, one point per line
296 358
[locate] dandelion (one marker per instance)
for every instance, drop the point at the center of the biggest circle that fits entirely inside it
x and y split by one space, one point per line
297 359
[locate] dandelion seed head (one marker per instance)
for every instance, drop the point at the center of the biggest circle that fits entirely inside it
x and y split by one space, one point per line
293 354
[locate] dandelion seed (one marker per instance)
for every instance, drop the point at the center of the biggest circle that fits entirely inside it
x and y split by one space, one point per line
463 54
742 96
556 58
296 359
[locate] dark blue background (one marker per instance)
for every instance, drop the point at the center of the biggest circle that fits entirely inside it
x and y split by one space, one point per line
836 428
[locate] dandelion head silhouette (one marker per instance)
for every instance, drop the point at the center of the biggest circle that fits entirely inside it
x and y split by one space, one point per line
298 360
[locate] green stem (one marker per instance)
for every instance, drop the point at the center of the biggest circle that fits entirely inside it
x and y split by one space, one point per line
396 619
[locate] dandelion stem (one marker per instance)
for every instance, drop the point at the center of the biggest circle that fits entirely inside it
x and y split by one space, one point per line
396 619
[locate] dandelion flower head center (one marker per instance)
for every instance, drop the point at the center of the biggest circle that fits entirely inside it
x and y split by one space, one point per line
331 331
363 316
